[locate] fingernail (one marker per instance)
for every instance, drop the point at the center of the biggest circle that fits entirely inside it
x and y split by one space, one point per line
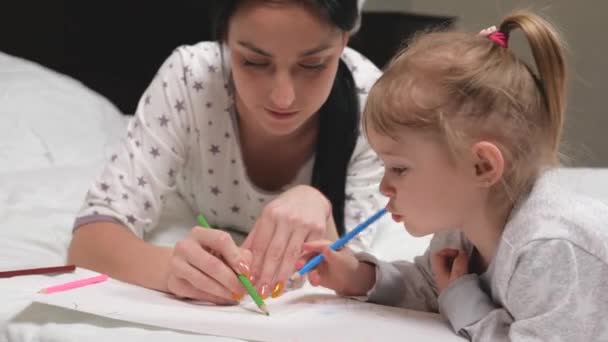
244 269
231 302
277 290
237 297
264 291
252 278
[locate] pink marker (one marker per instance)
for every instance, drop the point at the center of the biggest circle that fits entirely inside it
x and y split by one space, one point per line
75 284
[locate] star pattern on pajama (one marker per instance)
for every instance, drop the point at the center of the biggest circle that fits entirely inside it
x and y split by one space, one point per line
168 106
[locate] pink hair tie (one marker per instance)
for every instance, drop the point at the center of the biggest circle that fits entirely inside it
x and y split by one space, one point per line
499 38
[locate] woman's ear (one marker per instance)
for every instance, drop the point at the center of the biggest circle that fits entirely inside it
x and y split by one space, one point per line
488 162
345 39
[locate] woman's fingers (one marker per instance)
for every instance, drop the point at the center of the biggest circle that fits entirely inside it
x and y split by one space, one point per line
263 231
199 280
183 289
316 246
221 242
287 264
247 259
198 252
273 258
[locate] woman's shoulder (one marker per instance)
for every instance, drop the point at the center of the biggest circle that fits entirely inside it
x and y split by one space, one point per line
207 51
365 72
201 63
192 85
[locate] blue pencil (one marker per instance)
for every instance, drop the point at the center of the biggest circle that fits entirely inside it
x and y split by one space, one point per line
312 263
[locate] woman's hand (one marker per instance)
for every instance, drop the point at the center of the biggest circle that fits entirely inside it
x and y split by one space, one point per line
298 215
203 267
340 270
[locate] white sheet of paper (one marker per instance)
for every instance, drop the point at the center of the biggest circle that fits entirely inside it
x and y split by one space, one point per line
300 315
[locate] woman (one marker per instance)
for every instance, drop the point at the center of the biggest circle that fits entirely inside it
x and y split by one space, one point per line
259 132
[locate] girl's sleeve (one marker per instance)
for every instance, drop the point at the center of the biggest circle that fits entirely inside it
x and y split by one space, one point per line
403 284
557 292
408 284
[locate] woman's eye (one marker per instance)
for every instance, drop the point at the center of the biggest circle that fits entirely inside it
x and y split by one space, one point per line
255 64
319 66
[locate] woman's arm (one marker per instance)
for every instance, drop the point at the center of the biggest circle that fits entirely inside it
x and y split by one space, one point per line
113 249
201 266
127 200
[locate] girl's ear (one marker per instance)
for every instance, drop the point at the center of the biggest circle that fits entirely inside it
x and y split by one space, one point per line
489 163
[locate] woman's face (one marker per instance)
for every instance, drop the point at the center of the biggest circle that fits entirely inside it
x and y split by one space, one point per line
284 60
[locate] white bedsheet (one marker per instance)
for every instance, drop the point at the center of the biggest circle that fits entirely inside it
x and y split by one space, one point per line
55 136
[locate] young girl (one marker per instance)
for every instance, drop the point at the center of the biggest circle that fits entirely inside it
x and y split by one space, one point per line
468 133
259 132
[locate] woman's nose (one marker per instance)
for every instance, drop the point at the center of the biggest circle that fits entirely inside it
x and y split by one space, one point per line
283 93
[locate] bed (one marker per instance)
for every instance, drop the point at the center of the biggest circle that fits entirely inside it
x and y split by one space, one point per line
57 131
55 135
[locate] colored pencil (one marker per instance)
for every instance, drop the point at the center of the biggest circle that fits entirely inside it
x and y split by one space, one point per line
42 270
246 283
75 284
312 263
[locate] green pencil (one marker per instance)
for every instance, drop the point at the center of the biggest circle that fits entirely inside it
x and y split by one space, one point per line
246 283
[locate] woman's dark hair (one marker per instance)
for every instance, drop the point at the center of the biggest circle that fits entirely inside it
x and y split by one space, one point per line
338 116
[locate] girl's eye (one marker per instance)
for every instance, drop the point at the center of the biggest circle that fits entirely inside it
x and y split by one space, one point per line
398 170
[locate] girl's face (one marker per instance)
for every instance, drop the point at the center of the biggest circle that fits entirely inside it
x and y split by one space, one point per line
284 60
427 192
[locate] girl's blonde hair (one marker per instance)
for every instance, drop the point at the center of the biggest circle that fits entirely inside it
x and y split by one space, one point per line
467 87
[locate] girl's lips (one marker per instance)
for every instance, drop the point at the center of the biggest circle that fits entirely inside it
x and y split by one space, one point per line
397 218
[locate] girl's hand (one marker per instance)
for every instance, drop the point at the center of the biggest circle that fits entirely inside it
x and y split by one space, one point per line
340 271
448 265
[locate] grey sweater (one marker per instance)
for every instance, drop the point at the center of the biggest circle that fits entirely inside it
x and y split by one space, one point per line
547 282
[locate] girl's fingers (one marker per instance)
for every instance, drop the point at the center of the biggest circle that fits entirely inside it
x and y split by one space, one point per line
460 265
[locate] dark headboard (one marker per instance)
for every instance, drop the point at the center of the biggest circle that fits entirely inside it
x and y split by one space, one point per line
116 47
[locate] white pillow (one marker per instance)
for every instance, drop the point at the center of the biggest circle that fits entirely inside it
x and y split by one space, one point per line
48 119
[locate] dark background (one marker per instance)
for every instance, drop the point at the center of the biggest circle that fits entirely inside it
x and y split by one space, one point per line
116 47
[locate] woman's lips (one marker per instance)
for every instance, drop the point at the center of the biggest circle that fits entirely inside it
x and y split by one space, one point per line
281 114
